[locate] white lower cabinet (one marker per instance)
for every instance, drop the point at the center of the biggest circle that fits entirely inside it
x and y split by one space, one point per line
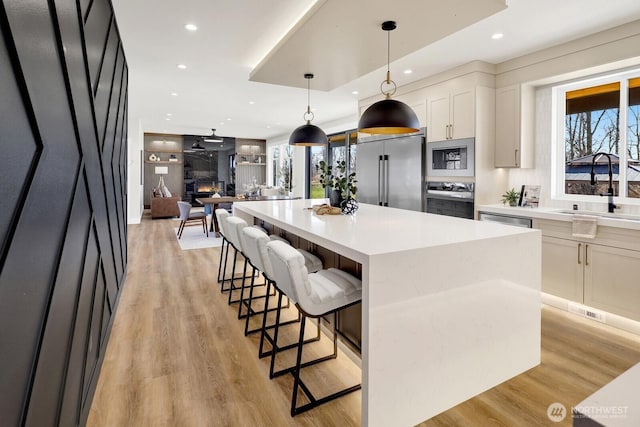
562 268
612 280
599 276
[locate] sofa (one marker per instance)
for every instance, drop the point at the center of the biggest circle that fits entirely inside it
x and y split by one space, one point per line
163 207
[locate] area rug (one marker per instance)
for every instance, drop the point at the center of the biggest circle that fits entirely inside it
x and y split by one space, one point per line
194 238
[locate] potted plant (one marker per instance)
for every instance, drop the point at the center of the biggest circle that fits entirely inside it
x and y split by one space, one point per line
511 196
338 181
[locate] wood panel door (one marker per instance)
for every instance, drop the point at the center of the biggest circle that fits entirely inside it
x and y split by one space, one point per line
63 114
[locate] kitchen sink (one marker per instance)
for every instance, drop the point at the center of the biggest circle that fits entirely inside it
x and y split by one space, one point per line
627 217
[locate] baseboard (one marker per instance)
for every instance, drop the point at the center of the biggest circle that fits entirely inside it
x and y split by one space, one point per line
591 313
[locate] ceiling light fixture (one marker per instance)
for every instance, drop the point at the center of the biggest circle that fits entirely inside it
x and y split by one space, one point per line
213 137
196 145
308 134
174 94
408 71
182 66
388 116
497 36
191 27
355 92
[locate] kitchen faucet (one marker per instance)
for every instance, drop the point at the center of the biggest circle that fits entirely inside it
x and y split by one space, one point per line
609 192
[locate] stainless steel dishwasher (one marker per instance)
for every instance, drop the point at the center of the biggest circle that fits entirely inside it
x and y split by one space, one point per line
518 221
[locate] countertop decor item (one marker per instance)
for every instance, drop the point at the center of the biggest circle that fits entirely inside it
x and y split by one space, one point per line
338 180
308 134
388 116
511 196
349 207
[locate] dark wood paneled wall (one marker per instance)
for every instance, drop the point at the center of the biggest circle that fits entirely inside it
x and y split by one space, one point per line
63 186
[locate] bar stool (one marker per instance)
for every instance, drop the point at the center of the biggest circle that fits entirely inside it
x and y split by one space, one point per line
221 215
234 227
315 295
255 245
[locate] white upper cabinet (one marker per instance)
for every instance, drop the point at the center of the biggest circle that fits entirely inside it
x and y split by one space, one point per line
450 113
514 119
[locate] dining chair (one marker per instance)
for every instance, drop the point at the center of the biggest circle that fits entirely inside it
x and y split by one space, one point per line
186 217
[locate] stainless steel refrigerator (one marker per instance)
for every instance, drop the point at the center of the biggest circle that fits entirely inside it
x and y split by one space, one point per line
390 171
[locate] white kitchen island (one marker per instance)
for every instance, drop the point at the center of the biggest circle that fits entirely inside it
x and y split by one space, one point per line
450 307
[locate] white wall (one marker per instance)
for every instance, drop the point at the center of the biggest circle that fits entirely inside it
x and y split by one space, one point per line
615 49
135 140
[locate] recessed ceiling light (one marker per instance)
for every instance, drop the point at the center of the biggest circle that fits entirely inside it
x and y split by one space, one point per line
228 119
268 127
167 118
355 92
407 71
251 102
497 36
169 114
174 94
222 123
191 27
182 66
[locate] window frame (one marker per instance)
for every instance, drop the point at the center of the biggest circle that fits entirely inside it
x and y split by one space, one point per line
558 126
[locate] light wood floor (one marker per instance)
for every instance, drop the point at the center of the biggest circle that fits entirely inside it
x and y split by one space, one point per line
177 356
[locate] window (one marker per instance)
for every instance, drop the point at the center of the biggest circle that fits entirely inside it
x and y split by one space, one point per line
317 154
285 167
335 153
601 132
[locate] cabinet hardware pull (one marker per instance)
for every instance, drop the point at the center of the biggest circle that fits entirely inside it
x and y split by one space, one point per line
586 254
380 184
579 250
451 131
516 156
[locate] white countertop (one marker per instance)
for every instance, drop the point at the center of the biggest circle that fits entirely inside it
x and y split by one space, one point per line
556 214
615 405
374 230
450 306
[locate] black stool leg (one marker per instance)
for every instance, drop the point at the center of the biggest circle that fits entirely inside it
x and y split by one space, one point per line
220 261
296 371
232 287
264 322
224 273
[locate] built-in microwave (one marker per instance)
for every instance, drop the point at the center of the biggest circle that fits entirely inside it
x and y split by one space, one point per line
453 157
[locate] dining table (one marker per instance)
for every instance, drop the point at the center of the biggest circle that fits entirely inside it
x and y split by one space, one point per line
215 201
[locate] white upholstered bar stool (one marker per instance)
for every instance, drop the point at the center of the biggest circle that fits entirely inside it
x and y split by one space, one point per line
315 295
254 242
234 227
221 215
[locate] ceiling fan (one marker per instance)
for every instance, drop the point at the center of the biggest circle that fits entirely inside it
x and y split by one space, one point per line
213 137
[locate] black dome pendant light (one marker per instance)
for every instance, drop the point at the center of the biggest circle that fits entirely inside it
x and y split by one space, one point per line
388 116
308 134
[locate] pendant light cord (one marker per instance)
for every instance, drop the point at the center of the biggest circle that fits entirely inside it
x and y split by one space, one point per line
388 56
308 96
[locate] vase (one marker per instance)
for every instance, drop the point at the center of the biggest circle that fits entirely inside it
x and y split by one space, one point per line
335 198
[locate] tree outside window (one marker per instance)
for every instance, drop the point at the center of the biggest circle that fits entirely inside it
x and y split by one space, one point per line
594 124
